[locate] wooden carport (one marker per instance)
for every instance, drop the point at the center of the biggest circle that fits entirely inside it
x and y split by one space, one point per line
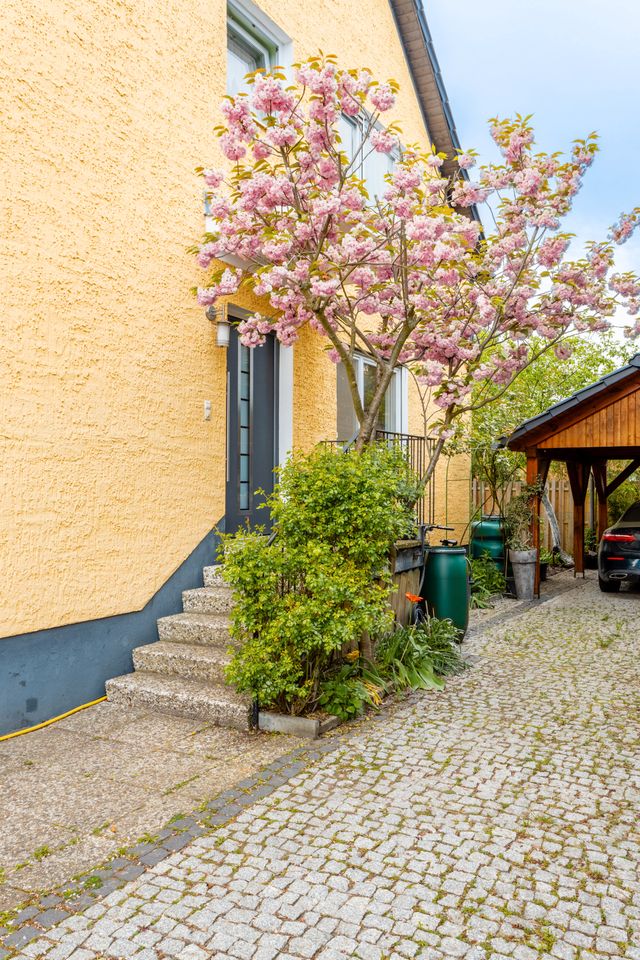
598 424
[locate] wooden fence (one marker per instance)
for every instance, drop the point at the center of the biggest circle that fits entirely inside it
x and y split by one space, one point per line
559 494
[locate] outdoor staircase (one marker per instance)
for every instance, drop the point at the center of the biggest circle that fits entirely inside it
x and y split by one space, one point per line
183 672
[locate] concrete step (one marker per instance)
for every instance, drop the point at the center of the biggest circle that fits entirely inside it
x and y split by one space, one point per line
207 600
213 576
181 697
193 661
200 628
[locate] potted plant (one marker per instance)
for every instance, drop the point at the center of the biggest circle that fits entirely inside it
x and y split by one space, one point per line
590 549
546 560
522 554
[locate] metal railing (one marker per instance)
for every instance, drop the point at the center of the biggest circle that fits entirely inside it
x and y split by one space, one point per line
417 452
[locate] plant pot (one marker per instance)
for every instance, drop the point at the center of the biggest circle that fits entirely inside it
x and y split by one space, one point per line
523 563
590 560
544 567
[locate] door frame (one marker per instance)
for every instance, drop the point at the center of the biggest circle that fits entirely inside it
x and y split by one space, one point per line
281 418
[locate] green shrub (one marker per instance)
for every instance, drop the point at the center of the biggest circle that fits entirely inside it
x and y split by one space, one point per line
486 581
325 580
518 515
590 539
417 656
622 498
414 657
359 503
345 693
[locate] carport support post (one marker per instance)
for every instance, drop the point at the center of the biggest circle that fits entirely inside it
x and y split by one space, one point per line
537 469
579 480
600 479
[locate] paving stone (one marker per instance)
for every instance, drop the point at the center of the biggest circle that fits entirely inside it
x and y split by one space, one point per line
51 916
495 818
19 938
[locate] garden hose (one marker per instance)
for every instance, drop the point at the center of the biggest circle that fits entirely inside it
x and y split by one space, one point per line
46 723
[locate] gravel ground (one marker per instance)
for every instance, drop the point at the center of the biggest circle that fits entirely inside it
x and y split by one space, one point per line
495 819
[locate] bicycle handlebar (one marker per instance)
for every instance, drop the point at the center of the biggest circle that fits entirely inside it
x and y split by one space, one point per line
436 526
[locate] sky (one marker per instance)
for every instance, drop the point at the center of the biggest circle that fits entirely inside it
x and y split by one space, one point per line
573 64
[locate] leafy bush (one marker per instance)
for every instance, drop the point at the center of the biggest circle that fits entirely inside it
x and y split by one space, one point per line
418 655
519 516
414 657
622 498
324 581
486 581
359 503
590 539
349 690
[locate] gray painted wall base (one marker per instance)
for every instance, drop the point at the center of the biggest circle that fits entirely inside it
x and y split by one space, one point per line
45 673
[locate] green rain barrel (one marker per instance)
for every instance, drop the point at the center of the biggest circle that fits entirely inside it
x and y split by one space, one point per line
487 537
445 585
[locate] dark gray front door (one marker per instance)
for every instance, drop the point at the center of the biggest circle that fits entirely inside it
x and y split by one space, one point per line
252 435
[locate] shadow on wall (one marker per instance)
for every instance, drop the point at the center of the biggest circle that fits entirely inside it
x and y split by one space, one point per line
45 673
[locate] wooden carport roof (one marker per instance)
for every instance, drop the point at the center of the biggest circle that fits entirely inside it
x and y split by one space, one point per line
597 424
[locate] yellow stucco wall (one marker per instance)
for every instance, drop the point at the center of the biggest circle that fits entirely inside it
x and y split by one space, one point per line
110 474
450 484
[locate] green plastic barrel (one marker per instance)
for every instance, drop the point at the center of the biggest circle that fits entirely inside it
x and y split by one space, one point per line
446 585
487 537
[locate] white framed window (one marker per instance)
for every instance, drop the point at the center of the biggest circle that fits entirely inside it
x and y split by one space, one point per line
393 413
248 49
372 167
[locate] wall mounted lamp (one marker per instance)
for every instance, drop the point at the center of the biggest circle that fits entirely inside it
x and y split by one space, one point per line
219 316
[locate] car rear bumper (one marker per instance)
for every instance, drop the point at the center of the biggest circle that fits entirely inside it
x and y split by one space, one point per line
627 569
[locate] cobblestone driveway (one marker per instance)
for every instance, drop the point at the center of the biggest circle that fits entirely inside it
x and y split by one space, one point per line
496 819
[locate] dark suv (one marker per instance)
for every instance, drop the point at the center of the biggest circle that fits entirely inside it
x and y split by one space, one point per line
619 551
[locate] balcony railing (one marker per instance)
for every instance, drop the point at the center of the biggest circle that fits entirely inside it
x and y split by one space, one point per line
417 451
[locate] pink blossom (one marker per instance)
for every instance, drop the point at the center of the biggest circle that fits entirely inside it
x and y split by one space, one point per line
282 136
552 250
465 161
213 178
324 288
270 96
261 150
208 252
324 257
231 147
383 97
562 351
625 284
206 296
467 194
528 181
382 141
624 227
230 282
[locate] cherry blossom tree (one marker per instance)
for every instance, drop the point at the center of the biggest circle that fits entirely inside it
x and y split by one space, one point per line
410 277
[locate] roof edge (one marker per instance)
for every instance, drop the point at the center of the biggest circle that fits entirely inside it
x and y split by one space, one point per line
558 410
420 54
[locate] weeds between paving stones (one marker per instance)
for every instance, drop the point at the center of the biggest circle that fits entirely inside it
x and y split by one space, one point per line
505 858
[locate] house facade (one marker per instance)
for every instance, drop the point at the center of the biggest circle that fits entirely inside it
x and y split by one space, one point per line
128 434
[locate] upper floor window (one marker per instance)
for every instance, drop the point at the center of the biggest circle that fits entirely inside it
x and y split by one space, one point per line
392 415
247 50
371 167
